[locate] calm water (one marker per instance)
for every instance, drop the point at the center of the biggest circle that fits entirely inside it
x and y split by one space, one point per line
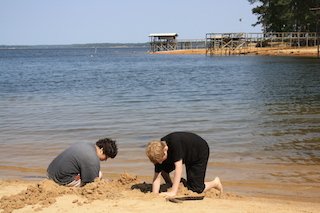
261 113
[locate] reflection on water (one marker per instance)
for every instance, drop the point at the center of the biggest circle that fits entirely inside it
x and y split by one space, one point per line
305 152
253 111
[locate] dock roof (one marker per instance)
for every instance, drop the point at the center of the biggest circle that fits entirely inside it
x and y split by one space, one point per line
163 35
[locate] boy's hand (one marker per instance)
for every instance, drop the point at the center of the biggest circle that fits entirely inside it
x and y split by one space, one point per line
168 194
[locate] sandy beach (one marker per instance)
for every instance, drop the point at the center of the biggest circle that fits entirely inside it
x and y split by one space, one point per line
266 51
129 193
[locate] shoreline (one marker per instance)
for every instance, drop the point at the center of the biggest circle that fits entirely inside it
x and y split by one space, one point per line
244 179
130 193
246 184
264 51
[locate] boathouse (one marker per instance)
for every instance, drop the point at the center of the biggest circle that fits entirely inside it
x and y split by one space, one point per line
163 41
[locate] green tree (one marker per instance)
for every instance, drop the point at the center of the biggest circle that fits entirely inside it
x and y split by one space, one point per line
285 15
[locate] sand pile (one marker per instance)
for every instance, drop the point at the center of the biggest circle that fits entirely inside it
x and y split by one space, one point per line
45 192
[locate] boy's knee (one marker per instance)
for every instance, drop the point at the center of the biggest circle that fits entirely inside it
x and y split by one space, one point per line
197 189
196 185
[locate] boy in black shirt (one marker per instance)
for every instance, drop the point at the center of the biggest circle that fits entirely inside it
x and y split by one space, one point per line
176 149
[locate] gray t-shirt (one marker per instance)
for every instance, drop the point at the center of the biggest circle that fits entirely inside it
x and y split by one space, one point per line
80 158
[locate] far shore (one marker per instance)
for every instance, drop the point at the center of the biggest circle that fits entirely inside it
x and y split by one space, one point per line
266 51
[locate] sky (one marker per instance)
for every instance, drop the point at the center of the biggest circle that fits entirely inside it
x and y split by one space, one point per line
53 22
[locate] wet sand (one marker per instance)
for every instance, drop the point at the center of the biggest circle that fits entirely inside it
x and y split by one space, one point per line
249 185
129 193
295 181
266 51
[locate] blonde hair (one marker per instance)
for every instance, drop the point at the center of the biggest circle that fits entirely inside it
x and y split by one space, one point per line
155 151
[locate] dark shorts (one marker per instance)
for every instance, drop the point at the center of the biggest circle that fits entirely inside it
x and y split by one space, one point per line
196 171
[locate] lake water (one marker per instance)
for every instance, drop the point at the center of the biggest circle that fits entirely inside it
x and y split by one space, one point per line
260 115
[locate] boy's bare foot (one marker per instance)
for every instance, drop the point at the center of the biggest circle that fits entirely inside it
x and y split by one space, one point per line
216 183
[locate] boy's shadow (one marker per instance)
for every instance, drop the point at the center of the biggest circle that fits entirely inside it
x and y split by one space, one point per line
147 187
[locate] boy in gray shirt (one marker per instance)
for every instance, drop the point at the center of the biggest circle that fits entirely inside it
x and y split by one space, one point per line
80 163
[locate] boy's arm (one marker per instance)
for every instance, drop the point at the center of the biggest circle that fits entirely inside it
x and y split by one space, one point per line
176 179
156 182
166 178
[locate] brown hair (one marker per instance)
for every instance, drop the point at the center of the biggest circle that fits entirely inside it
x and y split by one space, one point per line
155 151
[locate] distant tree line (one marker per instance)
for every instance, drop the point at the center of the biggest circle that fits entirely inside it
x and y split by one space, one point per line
286 15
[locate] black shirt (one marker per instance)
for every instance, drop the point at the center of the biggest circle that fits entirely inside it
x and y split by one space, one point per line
185 146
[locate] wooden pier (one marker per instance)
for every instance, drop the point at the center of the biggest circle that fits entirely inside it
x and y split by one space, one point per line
163 41
233 43
185 44
169 41
240 43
